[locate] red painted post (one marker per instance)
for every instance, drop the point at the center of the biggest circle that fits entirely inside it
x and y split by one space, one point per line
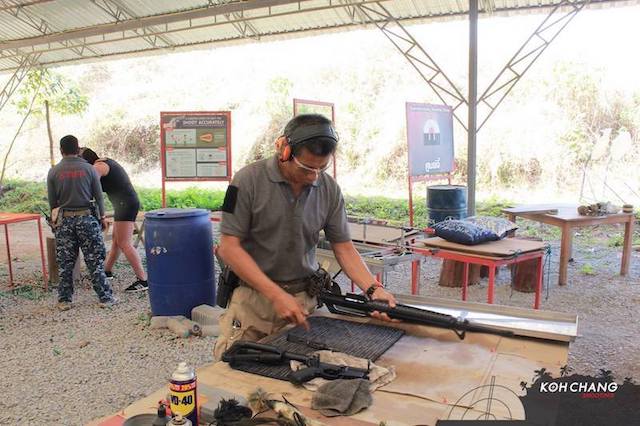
44 266
465 282
492 279
6 237
415 277
536 304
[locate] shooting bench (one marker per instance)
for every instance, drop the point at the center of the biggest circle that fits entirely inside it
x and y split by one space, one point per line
493 254
435 370
381 246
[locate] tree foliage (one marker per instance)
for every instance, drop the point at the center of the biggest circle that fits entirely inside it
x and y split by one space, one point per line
279 108
598 115
136 143
63 95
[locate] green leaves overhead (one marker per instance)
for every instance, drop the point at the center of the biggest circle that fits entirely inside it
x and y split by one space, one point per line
63 95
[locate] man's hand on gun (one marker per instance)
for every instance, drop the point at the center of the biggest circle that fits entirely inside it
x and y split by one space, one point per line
289 308
383 295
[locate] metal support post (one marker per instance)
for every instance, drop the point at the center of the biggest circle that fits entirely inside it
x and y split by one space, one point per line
473 92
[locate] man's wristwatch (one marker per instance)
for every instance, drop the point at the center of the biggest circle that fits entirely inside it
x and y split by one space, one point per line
372 289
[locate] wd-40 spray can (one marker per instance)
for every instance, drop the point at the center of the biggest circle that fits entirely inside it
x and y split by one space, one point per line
183 393
179 421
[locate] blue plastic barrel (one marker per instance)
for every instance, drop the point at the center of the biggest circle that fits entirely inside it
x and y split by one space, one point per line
180 264
446 202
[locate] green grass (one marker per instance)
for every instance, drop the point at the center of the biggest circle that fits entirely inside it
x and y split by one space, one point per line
615 240
24 196
26 292
144 319
537 230
28 197
588 269
492 206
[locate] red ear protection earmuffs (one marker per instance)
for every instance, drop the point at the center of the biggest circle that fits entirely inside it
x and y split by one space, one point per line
285 144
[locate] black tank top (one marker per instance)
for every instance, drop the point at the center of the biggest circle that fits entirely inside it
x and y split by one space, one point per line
116 183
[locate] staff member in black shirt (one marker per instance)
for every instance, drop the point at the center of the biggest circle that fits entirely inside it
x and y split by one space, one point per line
116 183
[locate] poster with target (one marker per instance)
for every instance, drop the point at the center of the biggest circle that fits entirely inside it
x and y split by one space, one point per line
429 138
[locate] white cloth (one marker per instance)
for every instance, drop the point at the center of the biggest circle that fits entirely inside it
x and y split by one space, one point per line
378 375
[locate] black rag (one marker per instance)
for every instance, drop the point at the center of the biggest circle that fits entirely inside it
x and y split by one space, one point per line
342 397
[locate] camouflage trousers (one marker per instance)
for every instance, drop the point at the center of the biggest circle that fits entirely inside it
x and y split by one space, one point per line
84 233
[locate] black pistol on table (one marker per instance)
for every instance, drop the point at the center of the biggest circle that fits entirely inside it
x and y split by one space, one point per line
251 353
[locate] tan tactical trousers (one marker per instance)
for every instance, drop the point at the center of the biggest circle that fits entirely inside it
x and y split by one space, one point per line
250 316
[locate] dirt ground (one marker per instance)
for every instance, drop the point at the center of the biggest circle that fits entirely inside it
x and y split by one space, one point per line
71 367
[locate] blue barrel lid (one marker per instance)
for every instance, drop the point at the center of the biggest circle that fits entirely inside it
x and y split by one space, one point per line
173 213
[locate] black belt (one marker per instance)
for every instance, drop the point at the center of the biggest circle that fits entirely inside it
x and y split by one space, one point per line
295 286
312 284
291 287
71 213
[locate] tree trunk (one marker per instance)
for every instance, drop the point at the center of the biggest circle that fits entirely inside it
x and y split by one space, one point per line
51 157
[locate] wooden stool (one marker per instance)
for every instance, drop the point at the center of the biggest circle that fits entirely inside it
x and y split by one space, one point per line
524 275
452 274
54 272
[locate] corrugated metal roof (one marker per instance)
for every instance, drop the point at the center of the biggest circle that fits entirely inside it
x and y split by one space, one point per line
70 30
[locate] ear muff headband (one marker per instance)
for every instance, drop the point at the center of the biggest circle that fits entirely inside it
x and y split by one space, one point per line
305 133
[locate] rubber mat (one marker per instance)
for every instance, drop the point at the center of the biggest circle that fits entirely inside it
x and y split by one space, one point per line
368 341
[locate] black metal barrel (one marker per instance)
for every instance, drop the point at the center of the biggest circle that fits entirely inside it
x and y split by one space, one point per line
446 202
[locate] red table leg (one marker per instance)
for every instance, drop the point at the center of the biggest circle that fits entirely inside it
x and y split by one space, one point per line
465 281
492 278
6 238
536 304
415 276
44 266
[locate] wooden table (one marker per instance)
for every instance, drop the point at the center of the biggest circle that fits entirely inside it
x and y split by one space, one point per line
567 218
492 254
435 371
9 218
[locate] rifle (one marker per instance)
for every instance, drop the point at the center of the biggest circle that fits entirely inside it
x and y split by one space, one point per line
359 305
47 218
251 353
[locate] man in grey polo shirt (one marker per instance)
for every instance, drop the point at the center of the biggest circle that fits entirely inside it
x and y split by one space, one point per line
273 213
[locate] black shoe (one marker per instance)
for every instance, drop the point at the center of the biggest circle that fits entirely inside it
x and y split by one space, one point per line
137 286
109 274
